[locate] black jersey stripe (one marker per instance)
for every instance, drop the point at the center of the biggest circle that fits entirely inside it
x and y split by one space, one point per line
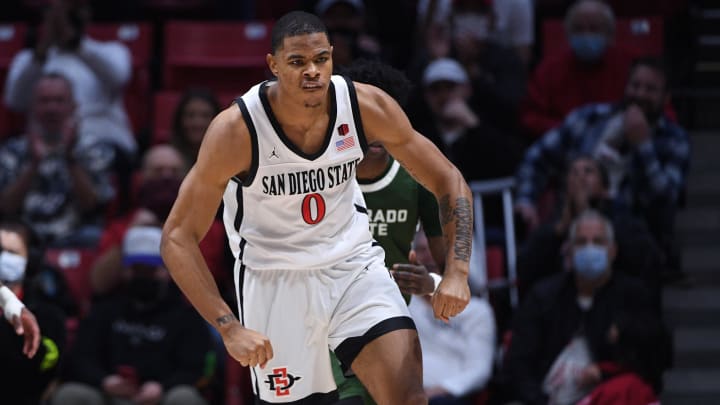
253 140
356 115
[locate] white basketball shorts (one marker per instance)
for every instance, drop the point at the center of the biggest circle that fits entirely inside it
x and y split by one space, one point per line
306 312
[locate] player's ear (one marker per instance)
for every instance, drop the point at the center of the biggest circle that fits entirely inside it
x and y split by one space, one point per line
272 64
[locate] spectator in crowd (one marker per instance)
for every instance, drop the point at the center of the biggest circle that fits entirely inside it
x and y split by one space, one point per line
193 114
162 171
588 72
54 176
495 73
26 379
645 154
98 72
642 352
515 26
457 356
586 187
559 331
456 128
345 21
145 346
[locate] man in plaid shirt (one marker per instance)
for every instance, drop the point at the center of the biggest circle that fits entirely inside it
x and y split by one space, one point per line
646 155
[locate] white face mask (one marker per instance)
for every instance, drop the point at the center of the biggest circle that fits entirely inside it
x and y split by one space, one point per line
12 267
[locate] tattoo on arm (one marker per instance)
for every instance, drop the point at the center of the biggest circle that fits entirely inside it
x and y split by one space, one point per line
463 229
462 214
225 319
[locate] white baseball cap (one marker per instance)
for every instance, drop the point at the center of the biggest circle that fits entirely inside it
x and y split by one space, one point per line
141 245
445 69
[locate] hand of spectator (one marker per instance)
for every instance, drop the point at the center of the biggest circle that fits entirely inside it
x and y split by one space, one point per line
39 149
150 393
589 376
69 138
637 129
452 295
529 214
119 386
247 346
458 111
413 278
27 326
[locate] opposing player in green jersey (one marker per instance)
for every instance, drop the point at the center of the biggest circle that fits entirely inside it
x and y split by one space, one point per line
396 204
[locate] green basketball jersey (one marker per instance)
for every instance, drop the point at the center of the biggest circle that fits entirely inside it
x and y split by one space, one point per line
395 203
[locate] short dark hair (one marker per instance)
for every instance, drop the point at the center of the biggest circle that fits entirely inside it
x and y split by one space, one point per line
379 74
293 24
655 63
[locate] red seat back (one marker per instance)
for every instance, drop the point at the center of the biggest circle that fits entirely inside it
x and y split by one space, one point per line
215 55
75 265
643 36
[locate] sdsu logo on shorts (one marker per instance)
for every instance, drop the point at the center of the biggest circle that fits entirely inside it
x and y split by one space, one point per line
280 381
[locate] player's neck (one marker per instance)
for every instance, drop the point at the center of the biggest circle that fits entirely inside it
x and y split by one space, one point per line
293 112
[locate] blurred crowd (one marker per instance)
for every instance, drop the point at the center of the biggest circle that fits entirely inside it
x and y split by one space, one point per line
585 127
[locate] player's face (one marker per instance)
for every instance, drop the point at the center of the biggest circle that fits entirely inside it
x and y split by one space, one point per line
303 66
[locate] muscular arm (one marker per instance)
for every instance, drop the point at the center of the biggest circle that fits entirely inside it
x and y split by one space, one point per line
384 121
225 152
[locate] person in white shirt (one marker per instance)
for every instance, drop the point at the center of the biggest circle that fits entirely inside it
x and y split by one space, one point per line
457 355
98 71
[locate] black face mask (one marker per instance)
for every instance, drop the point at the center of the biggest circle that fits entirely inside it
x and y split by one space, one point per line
146 290
159 195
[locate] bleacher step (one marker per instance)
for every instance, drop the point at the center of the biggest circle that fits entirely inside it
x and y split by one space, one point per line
697 347
691 387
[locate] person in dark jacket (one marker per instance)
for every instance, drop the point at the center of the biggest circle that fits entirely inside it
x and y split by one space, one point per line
568 307
143 347
586 187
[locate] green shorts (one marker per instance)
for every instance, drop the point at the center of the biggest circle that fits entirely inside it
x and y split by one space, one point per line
348 387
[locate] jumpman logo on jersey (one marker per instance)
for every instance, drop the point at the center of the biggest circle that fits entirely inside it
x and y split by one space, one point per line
273 154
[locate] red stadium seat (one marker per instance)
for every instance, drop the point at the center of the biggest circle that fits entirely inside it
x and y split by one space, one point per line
218 56
12 40
138 37
642 36
238 384
75 265
164 104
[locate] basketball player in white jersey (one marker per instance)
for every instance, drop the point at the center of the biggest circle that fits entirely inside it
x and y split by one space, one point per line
309 276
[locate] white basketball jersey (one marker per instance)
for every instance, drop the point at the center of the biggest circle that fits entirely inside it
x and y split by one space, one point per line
294 210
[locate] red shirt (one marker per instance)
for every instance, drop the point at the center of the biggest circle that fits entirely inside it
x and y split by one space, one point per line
623 389
562 83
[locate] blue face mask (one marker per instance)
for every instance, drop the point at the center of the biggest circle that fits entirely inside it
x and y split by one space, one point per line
588 47
590 261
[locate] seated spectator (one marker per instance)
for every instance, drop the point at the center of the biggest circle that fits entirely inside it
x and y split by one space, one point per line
588 72
457 356
162 171
455 127
193 115
345 22
587 188
145 346
98 72
559 332
25 380
56 177
643 351
645 154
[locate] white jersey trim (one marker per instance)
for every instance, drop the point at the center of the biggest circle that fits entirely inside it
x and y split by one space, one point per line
384 181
